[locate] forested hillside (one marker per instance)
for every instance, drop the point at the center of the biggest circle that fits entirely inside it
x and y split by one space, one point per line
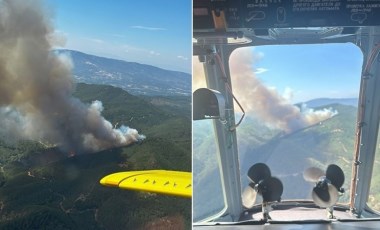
41 185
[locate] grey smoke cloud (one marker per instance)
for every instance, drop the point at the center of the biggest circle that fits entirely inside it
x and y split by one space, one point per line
36 87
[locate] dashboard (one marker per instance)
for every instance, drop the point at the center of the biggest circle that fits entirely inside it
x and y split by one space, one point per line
260 14
357 225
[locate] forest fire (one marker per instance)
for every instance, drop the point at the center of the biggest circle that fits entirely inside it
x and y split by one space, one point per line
36 88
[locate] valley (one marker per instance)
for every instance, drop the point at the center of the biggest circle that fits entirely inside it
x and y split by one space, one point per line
287 154
137 79
41 185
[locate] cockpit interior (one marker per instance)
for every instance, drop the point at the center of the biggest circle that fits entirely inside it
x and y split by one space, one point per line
286 112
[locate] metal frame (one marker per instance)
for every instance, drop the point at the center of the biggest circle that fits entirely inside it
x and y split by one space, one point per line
226 139
365 38
370 123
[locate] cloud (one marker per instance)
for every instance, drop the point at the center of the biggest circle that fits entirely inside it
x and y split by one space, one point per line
260 70
128 48
152 52
148 28
182 57
95 40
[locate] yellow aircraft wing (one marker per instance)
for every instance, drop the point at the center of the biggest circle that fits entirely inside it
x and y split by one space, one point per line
159 181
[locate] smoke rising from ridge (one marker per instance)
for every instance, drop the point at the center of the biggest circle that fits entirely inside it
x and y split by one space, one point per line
36 87
265 102
261 101
199 80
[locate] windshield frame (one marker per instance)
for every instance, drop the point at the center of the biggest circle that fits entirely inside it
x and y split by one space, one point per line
358 204
225 139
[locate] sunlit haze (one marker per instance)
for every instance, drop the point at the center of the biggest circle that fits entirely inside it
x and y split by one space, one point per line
301 72
147 32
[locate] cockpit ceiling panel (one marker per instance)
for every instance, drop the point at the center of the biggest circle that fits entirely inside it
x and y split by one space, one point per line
263 14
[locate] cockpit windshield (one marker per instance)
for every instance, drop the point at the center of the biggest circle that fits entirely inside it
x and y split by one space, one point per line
301 104
301 107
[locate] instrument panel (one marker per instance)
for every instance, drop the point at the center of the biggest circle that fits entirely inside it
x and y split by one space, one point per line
262 14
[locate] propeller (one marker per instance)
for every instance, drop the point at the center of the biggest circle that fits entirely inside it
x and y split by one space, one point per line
262 183
249 196
328 184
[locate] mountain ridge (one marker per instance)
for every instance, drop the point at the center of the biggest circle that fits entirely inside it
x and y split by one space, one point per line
287 155
319 102
136 78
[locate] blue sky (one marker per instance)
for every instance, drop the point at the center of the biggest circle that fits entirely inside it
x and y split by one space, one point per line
154 32
310 71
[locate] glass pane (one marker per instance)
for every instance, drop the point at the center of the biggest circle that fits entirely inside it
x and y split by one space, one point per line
374 192
208 199
301 104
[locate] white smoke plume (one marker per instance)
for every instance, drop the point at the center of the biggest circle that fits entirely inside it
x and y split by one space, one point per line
261 101
199 80
265 102
36 87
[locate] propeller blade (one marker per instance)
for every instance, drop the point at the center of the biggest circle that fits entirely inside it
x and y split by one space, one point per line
249 196
271 189
335 174
258 172
325 196
313 174
321 190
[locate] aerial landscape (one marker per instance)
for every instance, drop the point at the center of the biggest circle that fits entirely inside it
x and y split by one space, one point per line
70 116
288 155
